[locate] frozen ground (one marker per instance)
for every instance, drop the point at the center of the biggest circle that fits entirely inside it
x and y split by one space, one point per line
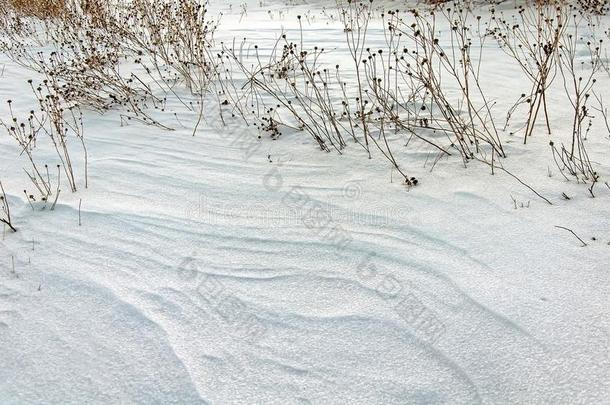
200 274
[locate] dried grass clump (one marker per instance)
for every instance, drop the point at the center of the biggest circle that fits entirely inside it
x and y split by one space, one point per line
394 94
169 41
42 9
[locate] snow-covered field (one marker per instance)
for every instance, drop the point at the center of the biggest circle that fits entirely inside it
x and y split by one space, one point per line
222 268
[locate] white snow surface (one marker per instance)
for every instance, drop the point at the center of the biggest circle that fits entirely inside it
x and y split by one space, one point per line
197 275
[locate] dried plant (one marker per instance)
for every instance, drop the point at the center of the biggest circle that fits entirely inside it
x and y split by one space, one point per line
355 18
6 210
58 122
303 92
532 39
42 9
579 89
421 72
169 41
593 7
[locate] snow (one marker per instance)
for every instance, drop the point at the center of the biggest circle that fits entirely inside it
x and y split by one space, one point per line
199 275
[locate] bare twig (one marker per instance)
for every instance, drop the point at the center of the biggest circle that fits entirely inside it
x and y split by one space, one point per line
573 233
